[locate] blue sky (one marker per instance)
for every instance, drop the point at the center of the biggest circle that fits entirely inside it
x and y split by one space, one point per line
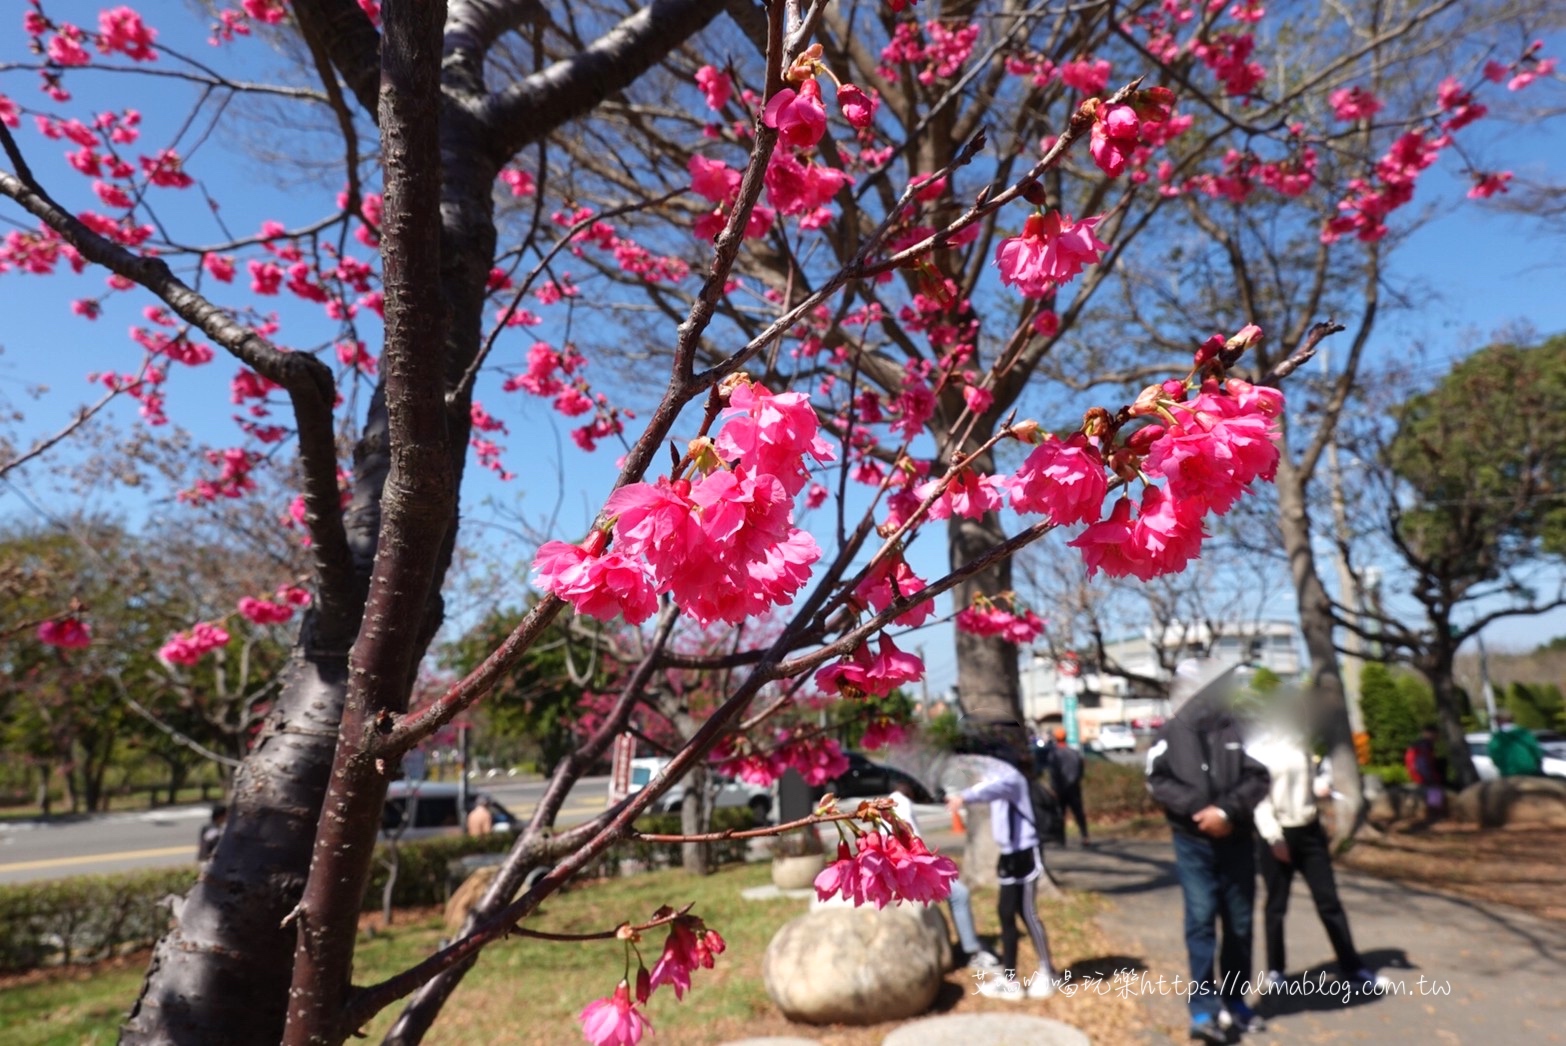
1484 270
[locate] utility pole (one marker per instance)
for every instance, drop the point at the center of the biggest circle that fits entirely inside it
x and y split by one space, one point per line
1484 682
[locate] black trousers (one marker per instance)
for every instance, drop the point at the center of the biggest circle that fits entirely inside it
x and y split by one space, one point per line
1021 899
1311 855
1071 799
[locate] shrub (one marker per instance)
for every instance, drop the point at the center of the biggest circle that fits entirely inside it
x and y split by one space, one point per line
86 917
1113 792
89 917
1394 706
1392 775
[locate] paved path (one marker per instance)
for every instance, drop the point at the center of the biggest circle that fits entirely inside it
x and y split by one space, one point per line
1505 970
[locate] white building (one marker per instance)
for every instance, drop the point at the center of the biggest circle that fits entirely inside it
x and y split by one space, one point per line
1105 695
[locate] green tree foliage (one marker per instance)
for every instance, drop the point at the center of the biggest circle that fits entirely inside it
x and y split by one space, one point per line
1536 706
535 709
1395 706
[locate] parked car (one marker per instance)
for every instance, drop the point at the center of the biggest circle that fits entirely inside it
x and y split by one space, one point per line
725 791
1116 737
1554 746
864 779
420 809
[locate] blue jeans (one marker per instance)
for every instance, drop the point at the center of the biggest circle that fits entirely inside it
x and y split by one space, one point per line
962 918
1218 879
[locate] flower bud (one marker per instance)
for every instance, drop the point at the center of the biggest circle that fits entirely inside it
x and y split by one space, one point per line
1096 422
1209 351
1126 464
1148 401
1248 337
1027 431
643 985
1142 440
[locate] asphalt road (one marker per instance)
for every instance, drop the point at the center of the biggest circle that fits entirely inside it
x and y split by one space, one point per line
37 850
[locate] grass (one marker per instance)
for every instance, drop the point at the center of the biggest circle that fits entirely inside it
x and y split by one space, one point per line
136 799
528 992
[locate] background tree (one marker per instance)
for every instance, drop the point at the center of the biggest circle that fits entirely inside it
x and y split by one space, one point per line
1471 477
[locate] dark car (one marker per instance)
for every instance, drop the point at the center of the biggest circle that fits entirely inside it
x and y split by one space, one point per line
864 779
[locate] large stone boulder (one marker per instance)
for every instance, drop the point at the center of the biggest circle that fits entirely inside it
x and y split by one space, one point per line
843 965
465 897
1513 801
989 1029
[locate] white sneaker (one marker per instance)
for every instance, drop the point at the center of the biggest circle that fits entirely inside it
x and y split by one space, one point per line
1370 981
983 960
1273 981
1001 986
1041 985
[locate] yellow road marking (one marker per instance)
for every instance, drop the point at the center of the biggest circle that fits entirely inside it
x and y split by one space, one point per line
123 855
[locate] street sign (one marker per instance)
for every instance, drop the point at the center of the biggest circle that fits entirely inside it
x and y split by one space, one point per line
1069 666
620 755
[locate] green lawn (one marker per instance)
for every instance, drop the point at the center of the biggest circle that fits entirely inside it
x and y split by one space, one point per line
528 991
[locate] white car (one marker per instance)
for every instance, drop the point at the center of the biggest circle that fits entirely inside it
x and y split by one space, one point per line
1116 737
1554 764
726 791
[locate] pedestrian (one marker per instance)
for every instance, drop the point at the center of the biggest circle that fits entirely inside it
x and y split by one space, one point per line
1293 840
974 954
1014 828
211 832
1425 770
1514 751
1197 770
1065 771
481 821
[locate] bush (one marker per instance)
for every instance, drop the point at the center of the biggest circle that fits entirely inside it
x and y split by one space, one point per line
1113 792
86 917
1394 706
1392 775
89 917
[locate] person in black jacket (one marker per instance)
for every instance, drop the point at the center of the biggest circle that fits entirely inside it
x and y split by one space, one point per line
1199 772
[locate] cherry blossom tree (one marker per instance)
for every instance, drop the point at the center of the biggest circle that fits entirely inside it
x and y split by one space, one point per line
820 281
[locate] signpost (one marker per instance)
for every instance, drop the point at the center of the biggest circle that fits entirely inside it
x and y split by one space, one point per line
1069 669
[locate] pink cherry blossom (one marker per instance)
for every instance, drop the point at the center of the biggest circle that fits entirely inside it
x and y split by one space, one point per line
891 578
977 399
689 946
602 587
884 869
969 494
801 188
121 30
1114 138
1214 450
773 434
858 108
187 648
1063 479
1051 251
714 179
1106 545
1487 185
994 621
614 1021
714 85
67 633
265 612
1088 75
882 733
798 116
1354 103
892 668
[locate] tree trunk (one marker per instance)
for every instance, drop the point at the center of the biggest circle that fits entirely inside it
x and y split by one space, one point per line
989 685
45 796
1437 668
693 820
221 974
1327 702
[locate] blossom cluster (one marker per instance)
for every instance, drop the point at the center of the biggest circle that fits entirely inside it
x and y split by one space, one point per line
883 868
615 1020
817 758
723 543
67 633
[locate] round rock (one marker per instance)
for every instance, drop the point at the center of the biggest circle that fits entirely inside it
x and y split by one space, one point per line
991 1029
857 965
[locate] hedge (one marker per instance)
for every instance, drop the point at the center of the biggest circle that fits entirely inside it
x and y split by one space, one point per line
90 917
86 917
1116 792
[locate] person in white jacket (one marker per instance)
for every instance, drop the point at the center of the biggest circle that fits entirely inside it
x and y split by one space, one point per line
1289 824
